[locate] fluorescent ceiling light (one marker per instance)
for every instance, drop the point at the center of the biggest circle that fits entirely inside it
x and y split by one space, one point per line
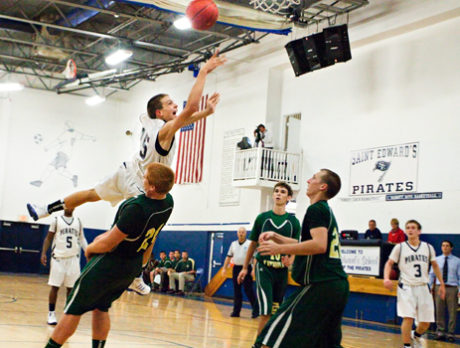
118 57
10 86
94 100
183 23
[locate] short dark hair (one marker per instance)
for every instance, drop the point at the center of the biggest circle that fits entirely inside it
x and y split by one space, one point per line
164 252
284 185
414 222
373 221
448 241
177 250
332 180
155 104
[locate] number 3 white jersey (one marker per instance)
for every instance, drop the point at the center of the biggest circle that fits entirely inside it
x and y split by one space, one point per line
150 150
68 237
413 262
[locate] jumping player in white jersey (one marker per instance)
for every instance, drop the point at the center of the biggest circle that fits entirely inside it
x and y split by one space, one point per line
67 238
414 299
157 145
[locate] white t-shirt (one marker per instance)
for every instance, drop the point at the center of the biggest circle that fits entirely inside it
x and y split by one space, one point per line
413 262
238 251
150 150
68 237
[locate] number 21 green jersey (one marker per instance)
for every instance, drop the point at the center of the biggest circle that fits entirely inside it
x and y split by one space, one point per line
309 269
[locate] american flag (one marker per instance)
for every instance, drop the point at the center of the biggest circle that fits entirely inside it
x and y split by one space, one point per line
189 168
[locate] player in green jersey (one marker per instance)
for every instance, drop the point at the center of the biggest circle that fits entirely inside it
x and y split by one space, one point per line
116 256
271 271
312 316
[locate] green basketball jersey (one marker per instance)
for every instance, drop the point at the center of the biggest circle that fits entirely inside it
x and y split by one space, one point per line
166 263
286 225
309 269
186 266
141 218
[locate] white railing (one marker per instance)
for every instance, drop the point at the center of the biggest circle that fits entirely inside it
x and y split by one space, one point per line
266 164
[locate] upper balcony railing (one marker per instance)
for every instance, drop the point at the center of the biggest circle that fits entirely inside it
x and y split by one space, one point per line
264 167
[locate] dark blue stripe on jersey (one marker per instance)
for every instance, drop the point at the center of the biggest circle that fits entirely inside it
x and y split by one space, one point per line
160 150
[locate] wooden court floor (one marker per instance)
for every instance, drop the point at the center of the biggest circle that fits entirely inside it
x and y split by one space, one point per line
146 321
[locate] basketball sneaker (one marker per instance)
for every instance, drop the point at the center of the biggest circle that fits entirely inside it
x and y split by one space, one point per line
52 318
139 287
417 342
37 211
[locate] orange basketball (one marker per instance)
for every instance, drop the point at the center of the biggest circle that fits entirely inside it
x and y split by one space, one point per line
202 13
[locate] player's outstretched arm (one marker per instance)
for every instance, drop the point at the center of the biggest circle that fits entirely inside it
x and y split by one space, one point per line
193 102
386 274
211 105
277 238
106 242
316 245
442 286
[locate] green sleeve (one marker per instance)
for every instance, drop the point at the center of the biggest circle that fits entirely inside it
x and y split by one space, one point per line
168 264
130 220
317 216
193 264
297 228
256 228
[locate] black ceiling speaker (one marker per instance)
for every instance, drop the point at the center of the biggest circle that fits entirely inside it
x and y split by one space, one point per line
306 54
337 44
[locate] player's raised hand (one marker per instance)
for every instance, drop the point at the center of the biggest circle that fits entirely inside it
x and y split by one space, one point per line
212 102
388 284
266 236
213 62
242 275
268 247
43 259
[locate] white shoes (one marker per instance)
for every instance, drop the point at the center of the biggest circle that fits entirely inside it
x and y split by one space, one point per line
52 318
417 342
139 287
37 211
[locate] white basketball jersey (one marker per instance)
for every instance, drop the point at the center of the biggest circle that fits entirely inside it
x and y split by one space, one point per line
413 262
67 234
150 150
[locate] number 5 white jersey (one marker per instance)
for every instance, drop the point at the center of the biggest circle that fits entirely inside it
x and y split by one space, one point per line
68 237
150 150
413 262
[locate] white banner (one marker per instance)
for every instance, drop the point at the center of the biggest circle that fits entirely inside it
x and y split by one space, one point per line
383 170
363 260
229 195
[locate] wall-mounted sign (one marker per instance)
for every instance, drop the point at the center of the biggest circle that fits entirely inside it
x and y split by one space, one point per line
363 260
384 170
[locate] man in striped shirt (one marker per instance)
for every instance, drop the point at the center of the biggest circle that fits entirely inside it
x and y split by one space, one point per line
311 316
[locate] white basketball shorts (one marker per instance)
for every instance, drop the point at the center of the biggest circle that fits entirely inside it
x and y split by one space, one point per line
64 271
124 183
415 302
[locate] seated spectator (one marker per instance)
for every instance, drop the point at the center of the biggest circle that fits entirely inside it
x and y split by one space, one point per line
373 232
185 270
396 235
161 270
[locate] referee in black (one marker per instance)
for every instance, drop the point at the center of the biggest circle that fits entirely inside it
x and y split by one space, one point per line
238 250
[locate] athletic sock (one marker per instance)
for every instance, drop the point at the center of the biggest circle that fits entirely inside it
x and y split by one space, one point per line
52 344
56 206
416 334
98 343
51 307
